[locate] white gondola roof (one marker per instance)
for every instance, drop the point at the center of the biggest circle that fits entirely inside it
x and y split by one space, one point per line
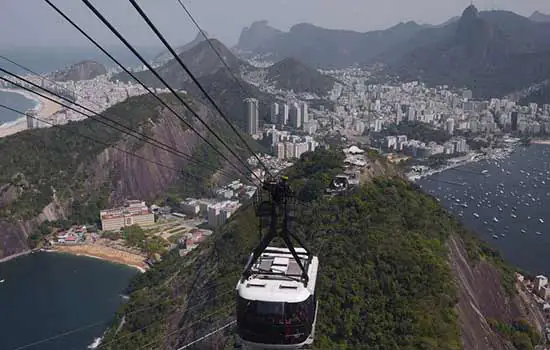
279 288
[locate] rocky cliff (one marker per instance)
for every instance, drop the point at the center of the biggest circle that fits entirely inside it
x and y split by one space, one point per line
54 173
84 70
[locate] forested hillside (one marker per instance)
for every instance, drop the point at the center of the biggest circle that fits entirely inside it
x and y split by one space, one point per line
386 281
61 173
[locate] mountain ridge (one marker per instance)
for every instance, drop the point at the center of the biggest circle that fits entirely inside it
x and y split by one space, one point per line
493 53
200 59
166 56
291 74
332 48
83 70
539 17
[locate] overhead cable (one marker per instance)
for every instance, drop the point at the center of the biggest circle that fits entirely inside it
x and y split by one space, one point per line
94 116
208 335
61 335
94 140
157 75
222 60
93 41
195 80
116 340
191 324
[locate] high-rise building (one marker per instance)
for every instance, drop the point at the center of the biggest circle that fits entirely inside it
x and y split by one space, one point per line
30 119
514 120
450 125
378 125
295 116
274 112
284 114
304 112
398 113
280 150
467 94
252 117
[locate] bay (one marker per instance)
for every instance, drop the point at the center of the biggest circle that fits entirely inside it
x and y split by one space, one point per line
512 201
16 101
47 294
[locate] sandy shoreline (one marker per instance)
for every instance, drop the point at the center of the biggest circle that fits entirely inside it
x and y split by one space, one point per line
105 253
44 108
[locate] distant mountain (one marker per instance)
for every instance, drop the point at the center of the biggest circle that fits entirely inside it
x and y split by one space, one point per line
201 61
291 74
539 17
84 70
328 48
258 33
166 56
493 53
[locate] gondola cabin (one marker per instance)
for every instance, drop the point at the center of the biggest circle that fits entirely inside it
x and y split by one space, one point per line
276 305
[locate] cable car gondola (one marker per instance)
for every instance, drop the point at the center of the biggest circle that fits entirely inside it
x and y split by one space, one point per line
276 298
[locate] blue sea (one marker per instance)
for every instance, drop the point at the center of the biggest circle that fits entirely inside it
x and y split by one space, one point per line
16 101
507 207
46 294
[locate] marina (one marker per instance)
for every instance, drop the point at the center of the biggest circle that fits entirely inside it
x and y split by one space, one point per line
503 199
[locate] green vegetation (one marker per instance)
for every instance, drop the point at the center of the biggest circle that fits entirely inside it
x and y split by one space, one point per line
291 74
314 172
38 162
418 131
135 236
384 271
519 332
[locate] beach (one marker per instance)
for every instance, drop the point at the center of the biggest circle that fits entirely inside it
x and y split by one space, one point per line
44 110
105 253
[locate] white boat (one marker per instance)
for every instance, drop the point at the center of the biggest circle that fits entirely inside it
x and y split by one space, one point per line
495 219
485 171
541 221
476 215
2 281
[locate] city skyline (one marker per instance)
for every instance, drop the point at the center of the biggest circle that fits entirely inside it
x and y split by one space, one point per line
43 27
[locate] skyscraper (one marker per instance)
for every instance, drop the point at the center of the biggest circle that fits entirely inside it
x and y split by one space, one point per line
274 113
284 115
295 116
514 120
252 118
304 112
450 125
30 119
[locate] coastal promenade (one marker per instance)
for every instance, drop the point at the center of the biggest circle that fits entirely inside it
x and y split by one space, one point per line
45 109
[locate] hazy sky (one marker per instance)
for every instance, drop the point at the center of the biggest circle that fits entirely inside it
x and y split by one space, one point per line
223 19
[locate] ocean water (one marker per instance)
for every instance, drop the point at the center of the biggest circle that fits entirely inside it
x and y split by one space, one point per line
16 101
46 294
512 201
